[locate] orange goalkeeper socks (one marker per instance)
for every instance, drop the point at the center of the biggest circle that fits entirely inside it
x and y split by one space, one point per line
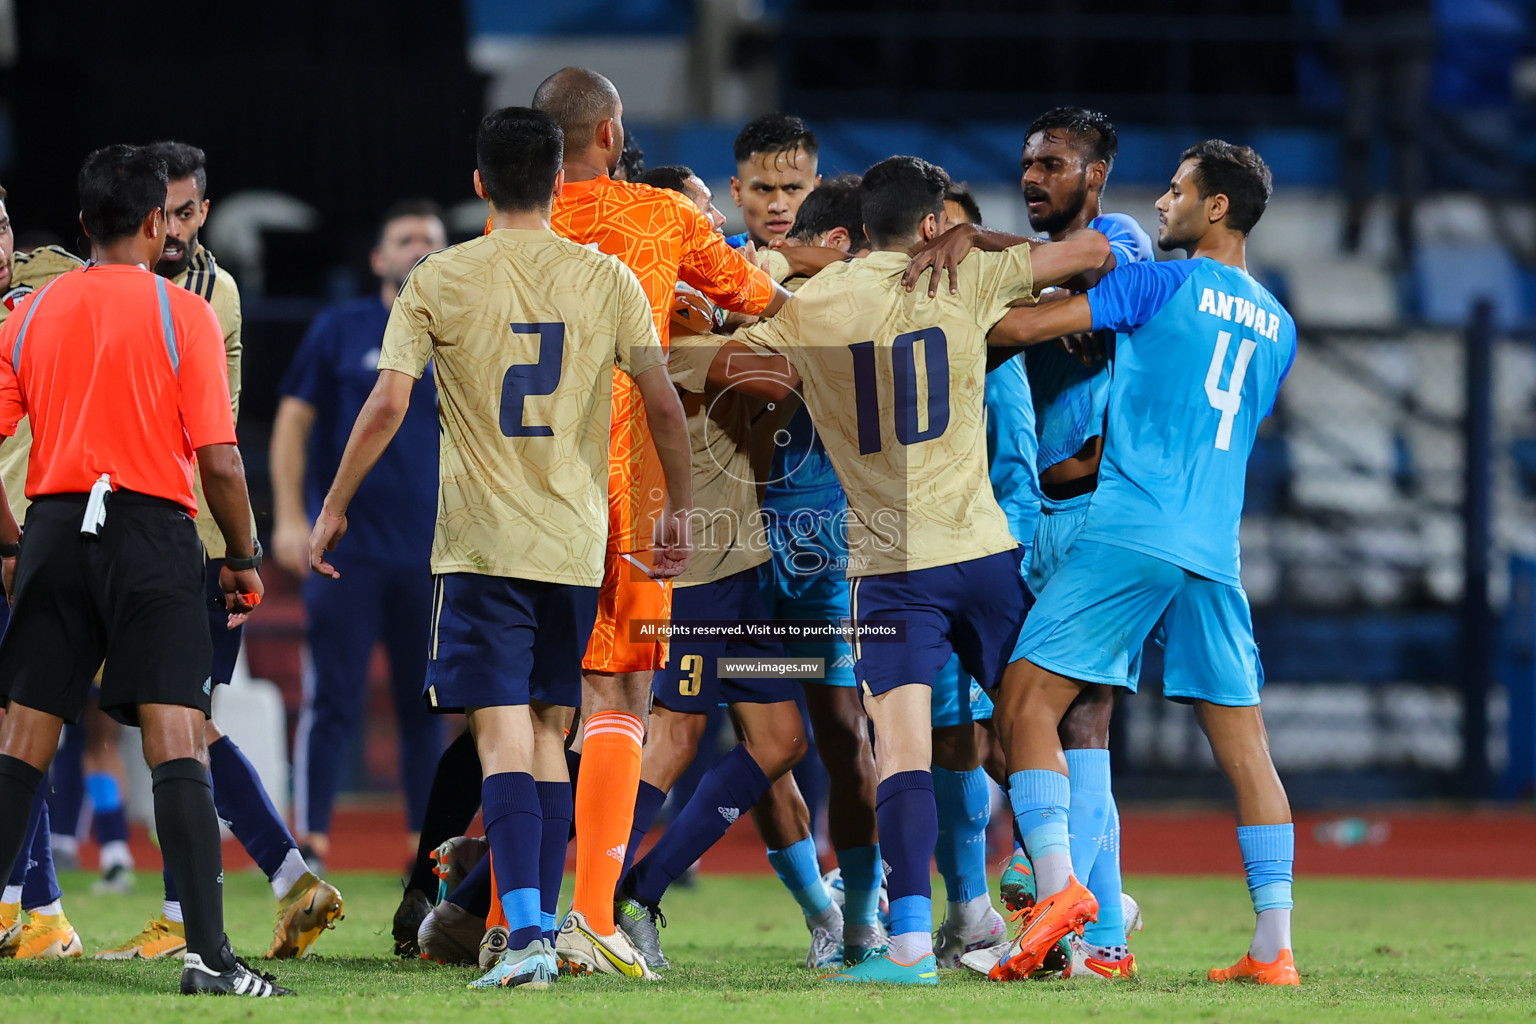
605 809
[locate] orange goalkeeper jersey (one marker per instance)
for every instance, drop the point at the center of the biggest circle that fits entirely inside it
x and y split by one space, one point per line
662 237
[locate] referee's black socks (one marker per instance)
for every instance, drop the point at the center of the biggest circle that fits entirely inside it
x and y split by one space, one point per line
18 785
189 842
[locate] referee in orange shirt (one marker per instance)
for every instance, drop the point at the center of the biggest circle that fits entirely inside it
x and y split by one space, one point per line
123 379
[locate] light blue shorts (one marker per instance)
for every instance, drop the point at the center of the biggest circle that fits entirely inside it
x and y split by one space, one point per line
1055 532
1104 601
821 597
957 698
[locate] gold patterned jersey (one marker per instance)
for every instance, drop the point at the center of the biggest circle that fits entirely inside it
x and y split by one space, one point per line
203 276
728 533
525 329
894 383
30 271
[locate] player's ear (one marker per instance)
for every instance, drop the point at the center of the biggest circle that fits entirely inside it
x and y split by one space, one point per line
838 238
559 182
1098 171
81 219
154 224
1216 207
605 134
931 227
203 213
480 186
736 191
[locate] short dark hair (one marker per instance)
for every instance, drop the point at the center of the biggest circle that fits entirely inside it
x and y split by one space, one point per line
120 186
3 194
632 158
1093 133
1237 172
832 204
183 161
774 133
518 152
408 208
897 193
673 177
959 192
579 99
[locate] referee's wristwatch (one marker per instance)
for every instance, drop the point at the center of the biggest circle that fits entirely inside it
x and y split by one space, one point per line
244 564
11 550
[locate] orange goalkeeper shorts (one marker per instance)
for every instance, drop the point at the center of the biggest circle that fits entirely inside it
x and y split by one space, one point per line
628 594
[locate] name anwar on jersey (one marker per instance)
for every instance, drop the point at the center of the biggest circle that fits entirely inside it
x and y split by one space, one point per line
1240 311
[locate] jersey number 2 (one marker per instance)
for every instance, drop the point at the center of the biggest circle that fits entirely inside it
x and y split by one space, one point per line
904 377
1227 401
524 379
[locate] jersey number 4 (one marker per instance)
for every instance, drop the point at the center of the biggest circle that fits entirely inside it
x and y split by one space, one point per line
524 379
904 377
1226 401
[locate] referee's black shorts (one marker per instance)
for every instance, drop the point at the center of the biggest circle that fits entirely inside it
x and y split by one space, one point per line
134 598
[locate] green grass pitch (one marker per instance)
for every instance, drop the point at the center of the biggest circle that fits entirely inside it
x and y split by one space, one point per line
1386 951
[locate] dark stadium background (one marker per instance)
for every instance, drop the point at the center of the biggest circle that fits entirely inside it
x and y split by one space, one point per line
1390 537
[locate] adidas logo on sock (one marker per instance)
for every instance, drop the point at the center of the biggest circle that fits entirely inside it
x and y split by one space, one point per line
730 814
617 852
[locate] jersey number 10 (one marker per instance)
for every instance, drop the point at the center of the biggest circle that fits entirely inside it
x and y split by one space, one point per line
866 395
539 378
1227 401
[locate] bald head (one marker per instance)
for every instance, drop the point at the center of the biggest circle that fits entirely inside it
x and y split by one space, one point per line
583 102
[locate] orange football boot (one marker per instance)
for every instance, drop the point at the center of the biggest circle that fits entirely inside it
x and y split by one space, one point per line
1281 972
1042 926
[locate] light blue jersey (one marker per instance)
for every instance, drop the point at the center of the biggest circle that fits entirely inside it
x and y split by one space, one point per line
1011 447
1070 398
807 519
1202 353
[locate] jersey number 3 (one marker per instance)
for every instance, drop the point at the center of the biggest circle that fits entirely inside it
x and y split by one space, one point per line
524 379
904 377
1226 401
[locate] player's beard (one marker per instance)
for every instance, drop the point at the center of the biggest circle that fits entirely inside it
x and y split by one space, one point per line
1058 215
170 268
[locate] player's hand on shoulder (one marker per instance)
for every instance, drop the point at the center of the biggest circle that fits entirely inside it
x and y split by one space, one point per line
672 543
941 256
328 531
242 593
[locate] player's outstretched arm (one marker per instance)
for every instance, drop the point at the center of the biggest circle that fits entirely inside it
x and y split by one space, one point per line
1030 325
1080 258
944 253
375 427
744 370
669 429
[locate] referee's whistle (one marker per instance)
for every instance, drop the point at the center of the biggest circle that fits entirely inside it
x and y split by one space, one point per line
249 598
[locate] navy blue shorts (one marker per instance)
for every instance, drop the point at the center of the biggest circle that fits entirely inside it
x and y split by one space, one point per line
972 609
498 641
691 683
226 641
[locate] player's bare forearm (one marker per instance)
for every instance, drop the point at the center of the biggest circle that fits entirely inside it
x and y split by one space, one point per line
668 426
781 295
808 260
287 456
1030 325
737 367
1083 254
223 475
376 426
